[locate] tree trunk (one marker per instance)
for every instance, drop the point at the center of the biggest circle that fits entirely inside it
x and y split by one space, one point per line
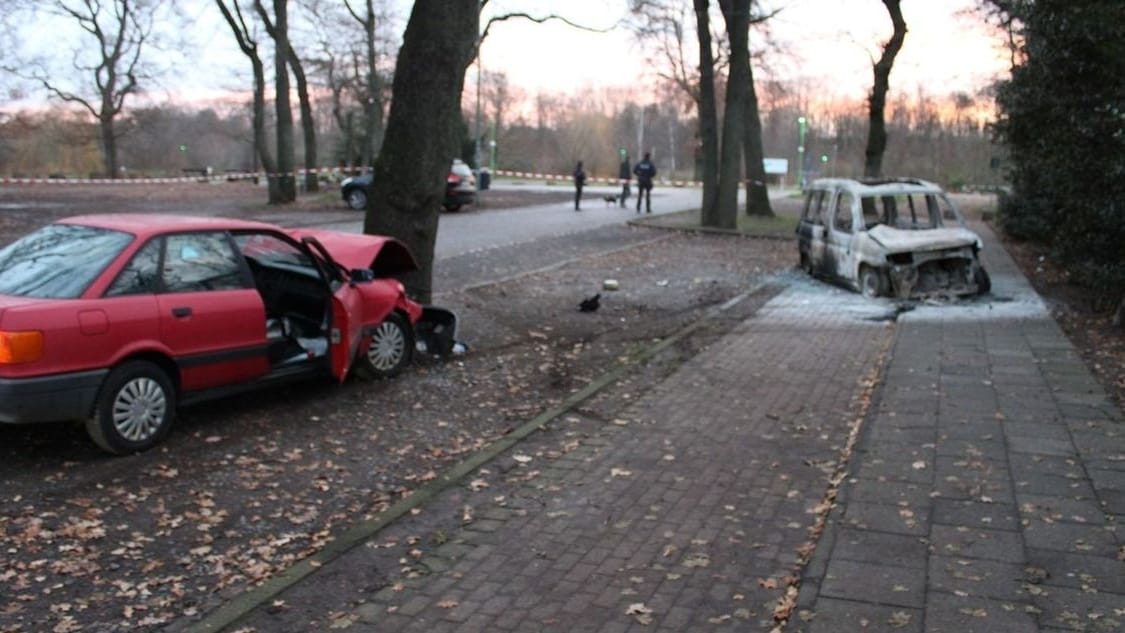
708 117
421 134
373 104
736 14
308 124
109 145
286 183
1119 315
757 197
877 104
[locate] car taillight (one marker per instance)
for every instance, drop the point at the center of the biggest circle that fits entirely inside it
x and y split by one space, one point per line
453 179
20 347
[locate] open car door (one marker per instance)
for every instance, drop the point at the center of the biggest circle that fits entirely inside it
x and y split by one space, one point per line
345 327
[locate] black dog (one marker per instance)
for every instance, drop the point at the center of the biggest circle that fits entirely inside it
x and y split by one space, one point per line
610 200
590 305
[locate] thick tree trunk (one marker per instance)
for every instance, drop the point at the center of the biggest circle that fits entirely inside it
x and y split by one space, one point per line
877 104
757 196
708 117
421 134
269 166
736 14
286 183
109 145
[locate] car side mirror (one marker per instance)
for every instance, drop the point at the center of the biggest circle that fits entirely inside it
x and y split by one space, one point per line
361 275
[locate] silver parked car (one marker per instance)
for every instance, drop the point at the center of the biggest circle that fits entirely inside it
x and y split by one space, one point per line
902 238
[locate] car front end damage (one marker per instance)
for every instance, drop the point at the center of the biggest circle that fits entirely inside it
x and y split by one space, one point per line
925 264
928 274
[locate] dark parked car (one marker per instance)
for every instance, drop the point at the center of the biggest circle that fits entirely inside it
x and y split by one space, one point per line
460 188
116 319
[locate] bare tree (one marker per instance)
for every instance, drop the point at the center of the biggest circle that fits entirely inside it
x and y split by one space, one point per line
439 43
308 125
877 104
121 32
232 13
372 86
708 116
736 14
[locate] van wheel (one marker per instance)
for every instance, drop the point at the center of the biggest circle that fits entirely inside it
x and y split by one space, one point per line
389 349
983 281
134 410
872 283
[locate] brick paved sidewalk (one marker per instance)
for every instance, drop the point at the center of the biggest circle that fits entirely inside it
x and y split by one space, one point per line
988 489
984 493
687 513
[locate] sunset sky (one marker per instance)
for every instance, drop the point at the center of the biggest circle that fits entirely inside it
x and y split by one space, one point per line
826 41
826 44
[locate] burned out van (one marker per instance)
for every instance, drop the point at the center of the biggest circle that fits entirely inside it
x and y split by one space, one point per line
902 238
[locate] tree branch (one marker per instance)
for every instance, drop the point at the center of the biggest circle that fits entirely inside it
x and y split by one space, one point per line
540 20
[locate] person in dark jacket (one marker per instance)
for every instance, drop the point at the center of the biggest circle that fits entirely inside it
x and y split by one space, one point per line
646 173
579 181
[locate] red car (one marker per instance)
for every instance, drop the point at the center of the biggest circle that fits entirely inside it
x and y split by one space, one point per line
117 319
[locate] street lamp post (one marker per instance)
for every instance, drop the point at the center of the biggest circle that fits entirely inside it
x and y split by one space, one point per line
802 124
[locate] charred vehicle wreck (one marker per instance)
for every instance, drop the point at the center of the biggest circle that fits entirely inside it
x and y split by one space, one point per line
901 238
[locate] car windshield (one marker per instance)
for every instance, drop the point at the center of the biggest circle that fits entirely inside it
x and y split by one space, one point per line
908 211
58 261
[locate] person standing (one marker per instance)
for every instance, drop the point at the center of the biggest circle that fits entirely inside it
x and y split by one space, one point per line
646 173
624 174
579 181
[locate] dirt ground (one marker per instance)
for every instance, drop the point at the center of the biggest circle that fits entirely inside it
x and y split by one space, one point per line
243 488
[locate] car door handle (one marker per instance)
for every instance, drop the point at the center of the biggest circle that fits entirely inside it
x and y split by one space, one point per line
180 313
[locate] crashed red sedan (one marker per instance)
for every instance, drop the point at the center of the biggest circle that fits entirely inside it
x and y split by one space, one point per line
118 319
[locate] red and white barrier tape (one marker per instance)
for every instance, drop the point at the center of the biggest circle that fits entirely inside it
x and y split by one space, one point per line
322 170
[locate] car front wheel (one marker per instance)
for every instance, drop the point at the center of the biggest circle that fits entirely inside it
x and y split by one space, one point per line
389 349
134 410
357 199
983 281
872 283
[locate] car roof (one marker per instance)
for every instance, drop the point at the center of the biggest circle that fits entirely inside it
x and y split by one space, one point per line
146 224
877 186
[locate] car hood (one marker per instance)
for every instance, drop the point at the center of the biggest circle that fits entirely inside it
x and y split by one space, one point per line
384 255
900 241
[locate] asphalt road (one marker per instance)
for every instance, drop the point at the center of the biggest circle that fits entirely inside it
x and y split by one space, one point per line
483 229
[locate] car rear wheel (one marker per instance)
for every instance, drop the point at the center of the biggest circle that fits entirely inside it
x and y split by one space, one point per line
357 199
872 282
134 410
389 349
452 207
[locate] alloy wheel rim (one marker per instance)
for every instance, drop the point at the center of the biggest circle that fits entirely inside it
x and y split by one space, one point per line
388 344
139 409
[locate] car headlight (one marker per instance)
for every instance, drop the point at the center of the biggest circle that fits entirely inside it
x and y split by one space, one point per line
347 181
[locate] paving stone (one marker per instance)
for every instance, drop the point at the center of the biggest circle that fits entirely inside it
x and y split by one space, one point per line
1078 571
978 578
950 613
888 584
997 545
847 616
974 514
1075 609
1094 540
887 518
879 547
